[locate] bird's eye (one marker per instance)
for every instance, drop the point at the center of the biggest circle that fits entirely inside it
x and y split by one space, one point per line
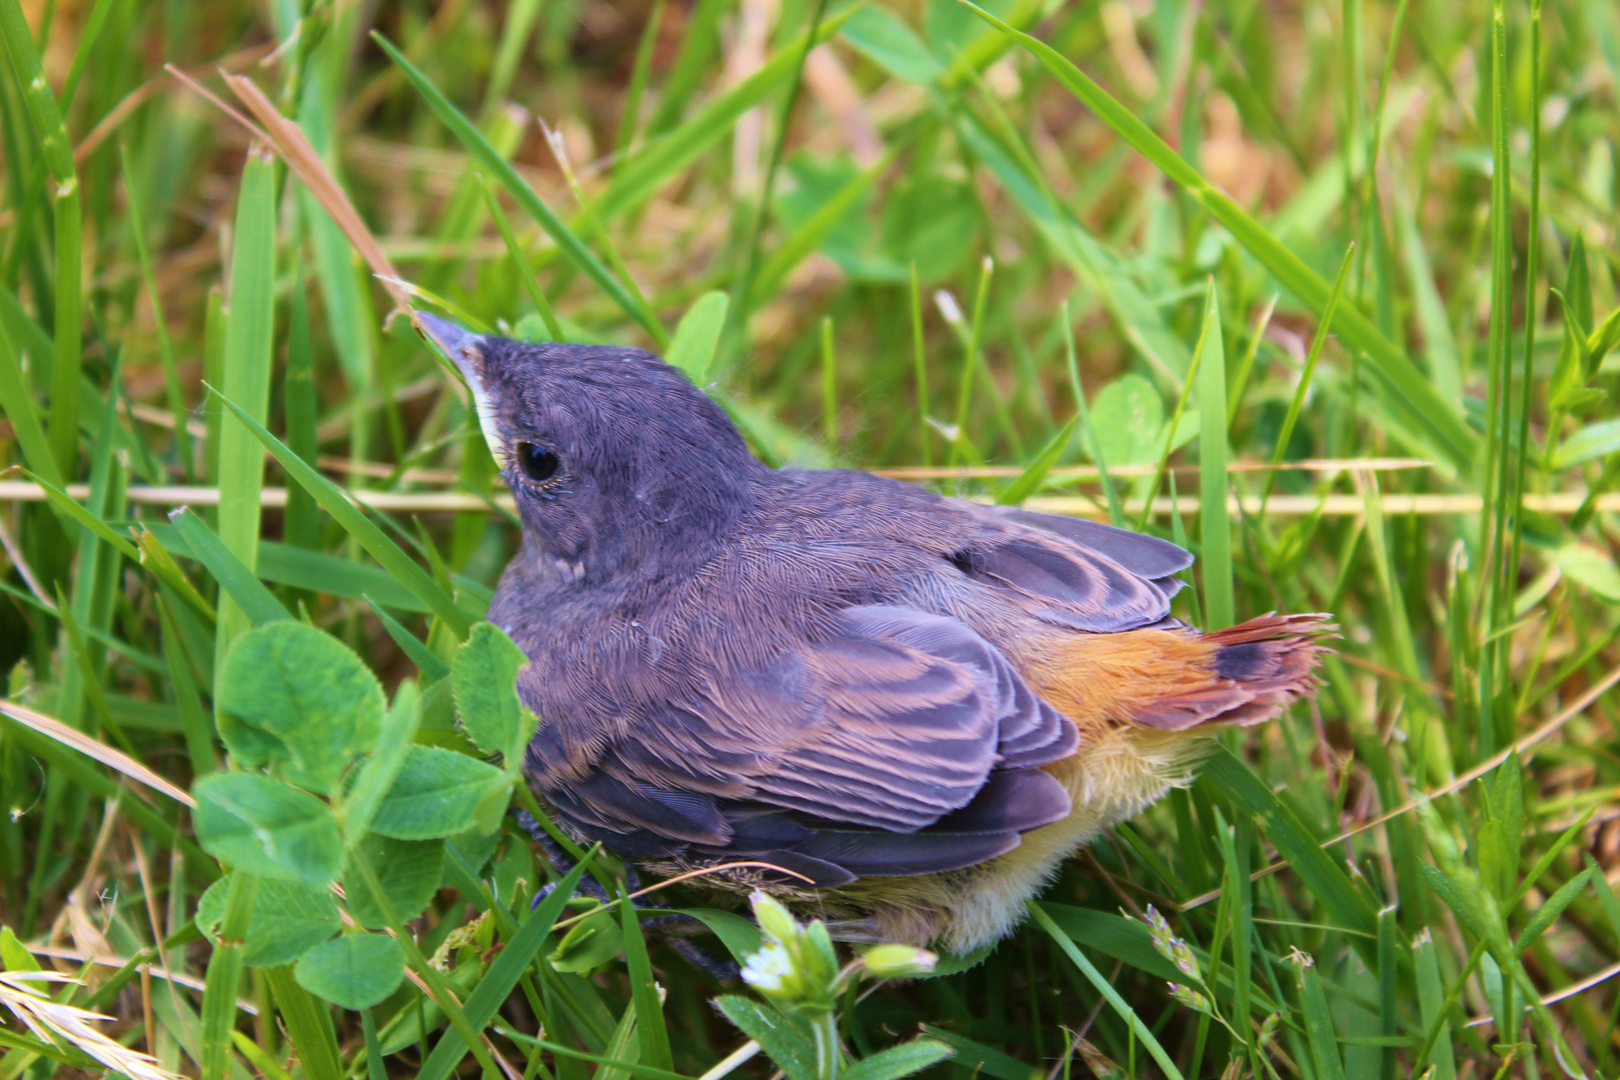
537 463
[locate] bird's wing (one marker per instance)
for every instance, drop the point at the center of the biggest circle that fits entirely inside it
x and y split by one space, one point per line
902 743
1078 574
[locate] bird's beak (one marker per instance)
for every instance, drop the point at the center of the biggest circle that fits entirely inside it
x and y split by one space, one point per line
462 348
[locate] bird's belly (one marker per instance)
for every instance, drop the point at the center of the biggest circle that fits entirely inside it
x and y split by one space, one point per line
1111 777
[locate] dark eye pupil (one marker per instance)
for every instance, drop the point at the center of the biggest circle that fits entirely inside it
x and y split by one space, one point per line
537 463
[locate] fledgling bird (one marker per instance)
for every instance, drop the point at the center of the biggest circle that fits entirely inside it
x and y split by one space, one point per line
915 705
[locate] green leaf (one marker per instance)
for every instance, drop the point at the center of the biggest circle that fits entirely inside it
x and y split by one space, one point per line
306 696
1128 417
885 39
1596 440
1455 898
980 1059
14 955
899 1061
484 678
830 213
264 827
740 936
692 348
376 775
1591 567
1548 913
930 220
1029 481
409 872
1491 845
589 943
355 971
436 794
289 918
1578 400
782 1038
951 963
1574 359
1602 341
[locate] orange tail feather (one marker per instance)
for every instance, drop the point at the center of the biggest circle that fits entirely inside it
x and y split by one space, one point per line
1173 680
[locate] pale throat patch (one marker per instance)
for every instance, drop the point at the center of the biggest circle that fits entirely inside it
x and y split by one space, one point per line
483 404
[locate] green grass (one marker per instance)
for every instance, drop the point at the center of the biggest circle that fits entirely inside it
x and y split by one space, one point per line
1246 235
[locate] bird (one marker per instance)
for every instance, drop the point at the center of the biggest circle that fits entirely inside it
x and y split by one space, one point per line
891 709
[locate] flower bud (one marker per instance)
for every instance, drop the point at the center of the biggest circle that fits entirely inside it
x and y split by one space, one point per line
774 919
1189 997
899 961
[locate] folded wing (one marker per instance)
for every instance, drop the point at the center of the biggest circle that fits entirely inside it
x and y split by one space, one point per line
900 743
1077 574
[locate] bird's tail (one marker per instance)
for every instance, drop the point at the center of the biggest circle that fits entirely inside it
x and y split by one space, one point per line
1173 680
1254 670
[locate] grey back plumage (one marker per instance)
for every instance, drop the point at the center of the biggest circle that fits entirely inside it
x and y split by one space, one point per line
809 668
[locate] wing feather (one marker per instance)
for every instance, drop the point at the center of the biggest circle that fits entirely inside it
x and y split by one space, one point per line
902 743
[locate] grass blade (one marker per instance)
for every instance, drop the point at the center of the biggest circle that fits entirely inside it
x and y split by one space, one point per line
1294 842
57 152
520 262
1126 1013
503 974
171 374
257 604
249 331
18 405
651 1033
638 179
427 662
1298 402
1215 528
224 975
355 522
1408 396
309 1028
1029 481
502 170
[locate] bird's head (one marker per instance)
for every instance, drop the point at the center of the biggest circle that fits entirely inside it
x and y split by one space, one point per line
617 462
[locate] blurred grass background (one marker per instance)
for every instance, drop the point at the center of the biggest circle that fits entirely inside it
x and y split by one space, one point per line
1317 234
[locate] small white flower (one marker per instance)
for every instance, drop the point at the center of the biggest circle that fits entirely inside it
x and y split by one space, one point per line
770 971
